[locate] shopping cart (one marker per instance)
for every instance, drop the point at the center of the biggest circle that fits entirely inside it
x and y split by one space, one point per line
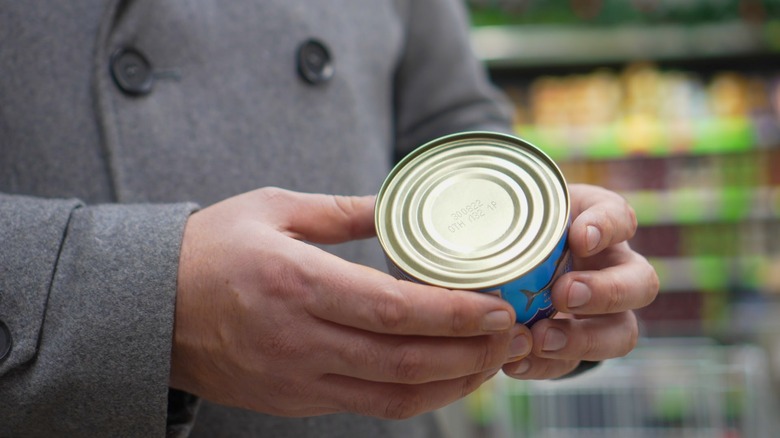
674 389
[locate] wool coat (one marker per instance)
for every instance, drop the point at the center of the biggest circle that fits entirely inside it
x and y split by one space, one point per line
119 118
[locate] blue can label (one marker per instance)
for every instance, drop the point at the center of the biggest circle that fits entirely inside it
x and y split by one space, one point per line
530 294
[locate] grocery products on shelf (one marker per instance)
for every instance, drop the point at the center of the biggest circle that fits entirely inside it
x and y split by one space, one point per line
645 111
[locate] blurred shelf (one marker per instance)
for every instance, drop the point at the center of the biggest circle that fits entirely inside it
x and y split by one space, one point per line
550 45
654 138
713 274
699 205
681 389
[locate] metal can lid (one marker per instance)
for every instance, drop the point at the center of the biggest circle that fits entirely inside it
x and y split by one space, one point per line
472 210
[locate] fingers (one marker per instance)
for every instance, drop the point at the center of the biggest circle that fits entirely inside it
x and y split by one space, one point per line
394 401
560 344
419 359
318 218
629 282
361 297
539 368
602 218
594 339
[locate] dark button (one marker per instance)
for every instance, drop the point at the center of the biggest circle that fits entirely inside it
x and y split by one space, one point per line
131 71
315 64
5 341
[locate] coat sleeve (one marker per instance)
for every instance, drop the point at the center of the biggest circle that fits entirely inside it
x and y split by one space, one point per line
441 87
87 294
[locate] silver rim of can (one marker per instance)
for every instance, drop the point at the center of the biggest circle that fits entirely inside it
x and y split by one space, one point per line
472 210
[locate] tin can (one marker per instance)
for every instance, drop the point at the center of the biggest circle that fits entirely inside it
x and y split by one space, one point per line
479 211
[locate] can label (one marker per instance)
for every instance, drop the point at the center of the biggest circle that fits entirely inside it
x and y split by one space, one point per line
478 211
530 295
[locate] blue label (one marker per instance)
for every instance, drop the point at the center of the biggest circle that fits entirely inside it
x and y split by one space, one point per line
530 295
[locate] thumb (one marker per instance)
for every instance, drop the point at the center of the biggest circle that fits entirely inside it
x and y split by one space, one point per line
324 218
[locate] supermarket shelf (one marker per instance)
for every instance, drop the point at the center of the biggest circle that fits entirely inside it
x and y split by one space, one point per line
517 46
654 138
718 274
699 205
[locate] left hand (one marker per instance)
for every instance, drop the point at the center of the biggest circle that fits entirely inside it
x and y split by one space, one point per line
596 300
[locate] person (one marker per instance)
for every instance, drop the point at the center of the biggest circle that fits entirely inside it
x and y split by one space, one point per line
186 218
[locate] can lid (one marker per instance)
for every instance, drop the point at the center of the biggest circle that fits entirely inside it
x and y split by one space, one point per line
472 210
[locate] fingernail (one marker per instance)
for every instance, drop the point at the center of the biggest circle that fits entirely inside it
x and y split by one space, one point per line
593 236
520 347
579 294
554 340
497 321
519 368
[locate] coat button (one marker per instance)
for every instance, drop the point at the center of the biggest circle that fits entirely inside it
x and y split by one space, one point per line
131 71
5 341
315 64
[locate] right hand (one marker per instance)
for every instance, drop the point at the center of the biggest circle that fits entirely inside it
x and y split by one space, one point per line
267 322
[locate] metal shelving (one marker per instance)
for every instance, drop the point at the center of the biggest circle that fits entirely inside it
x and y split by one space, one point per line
664 389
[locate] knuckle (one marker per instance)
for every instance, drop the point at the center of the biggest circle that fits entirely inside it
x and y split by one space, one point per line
355 214
615 297
540 370
471 383
483 359
633 339
345 208
632 219
364 354
654 284
404 406
491 353
362 403
283 278
550 369
651 283
459 320
392 309
564 368
272 193
591 347
344 205
410 366
614 227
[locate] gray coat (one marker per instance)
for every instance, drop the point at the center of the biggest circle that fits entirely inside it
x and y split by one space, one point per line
100 168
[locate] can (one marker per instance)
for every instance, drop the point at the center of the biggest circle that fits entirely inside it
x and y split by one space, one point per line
481 211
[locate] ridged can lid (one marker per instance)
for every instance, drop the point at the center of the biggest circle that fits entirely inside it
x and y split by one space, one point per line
473 211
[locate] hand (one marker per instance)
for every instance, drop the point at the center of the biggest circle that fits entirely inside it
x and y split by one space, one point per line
596 299
267 322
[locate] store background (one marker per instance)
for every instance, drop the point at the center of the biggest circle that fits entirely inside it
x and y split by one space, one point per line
675 104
